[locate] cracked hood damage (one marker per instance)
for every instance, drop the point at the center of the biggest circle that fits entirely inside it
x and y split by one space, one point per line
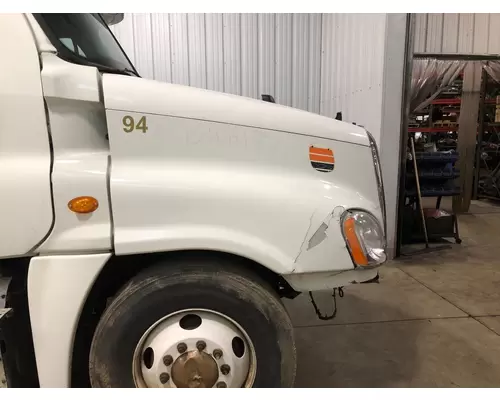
315 237
322 241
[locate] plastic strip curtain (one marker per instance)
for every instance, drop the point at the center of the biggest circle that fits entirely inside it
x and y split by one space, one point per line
430 77
492 68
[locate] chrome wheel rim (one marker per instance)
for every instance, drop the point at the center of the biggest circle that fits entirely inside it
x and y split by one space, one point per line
194 348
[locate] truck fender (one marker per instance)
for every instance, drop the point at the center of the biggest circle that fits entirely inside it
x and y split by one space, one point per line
58 287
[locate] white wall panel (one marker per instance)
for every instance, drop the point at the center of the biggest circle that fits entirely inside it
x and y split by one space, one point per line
420 34
267 41
481 36
466 33
179 49
457 33
249 55
197 50
494 34
450 33
214 52
434 33
301 39
162 62
142 40
352 60
232 53
323 63
314 64
329 59
284 57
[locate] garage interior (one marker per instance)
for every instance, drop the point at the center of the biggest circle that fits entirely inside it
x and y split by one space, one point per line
453 140
434 319
441 295
429 83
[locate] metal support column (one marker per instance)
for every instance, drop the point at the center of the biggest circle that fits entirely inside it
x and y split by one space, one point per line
477 165
405 112
467 134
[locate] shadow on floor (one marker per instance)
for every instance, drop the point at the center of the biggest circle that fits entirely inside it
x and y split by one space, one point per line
359 354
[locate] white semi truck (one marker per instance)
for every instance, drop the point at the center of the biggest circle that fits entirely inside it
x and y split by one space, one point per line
149 230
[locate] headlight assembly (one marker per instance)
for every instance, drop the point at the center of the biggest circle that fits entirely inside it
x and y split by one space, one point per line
364 238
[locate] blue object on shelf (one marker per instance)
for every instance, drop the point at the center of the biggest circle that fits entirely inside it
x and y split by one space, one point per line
436 157
435 173
434 191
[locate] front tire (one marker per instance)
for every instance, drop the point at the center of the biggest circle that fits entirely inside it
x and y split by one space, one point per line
194 323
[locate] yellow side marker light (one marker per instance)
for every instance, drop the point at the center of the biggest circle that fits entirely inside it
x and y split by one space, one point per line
83 204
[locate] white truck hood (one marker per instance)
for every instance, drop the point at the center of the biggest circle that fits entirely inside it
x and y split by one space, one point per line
152 97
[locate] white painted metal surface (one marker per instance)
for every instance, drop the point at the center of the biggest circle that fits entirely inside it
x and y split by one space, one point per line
214 171
57 289
304 282
81 150
457 33
323 63
25 200
42 42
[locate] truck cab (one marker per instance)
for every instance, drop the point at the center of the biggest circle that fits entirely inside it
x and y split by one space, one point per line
150 230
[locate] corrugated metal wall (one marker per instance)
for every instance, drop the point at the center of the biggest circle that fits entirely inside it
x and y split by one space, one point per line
322 63
457 33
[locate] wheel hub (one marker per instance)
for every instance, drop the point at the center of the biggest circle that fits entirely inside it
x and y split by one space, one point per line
194 349
195 369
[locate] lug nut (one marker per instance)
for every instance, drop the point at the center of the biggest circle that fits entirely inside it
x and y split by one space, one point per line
217 353
167 360
225 369
221 385
164 378
201 345
181 347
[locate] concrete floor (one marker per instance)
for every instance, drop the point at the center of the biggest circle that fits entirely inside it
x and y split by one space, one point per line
432 321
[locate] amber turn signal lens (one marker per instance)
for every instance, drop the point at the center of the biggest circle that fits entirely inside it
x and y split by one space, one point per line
357 252
83 204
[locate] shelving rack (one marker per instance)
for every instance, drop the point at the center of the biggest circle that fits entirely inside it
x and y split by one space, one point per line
488 144
436 174
435 131
438 122
479 176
